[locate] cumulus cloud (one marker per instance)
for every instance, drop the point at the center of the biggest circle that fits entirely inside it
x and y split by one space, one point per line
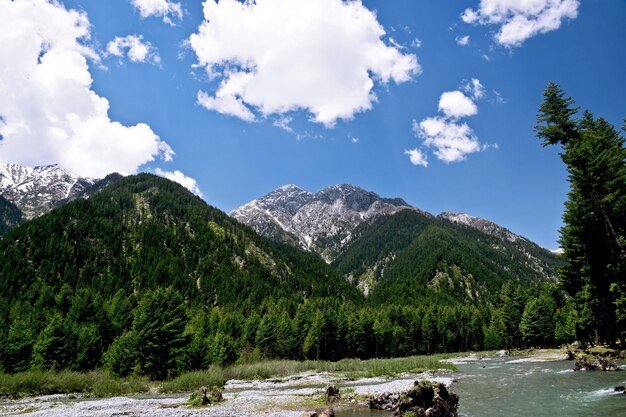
49 112
177 176
520 20
321 56
462 40
452 141
168 10
135 48
417 157
455 104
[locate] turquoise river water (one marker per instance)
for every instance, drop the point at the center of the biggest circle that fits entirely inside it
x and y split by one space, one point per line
502 387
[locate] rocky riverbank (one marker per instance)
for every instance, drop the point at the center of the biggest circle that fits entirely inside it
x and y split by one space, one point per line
285 397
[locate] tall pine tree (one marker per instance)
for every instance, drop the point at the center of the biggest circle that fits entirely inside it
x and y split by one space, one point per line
594 234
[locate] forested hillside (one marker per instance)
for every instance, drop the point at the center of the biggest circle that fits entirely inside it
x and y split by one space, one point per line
145 277
10 216
89 264
410 258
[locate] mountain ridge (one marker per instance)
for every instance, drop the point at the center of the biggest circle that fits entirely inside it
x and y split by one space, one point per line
320 222
278 215
39 189
368 236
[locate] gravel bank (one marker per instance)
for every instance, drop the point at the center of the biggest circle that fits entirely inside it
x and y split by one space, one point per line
283 397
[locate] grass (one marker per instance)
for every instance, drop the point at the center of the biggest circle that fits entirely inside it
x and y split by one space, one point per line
96 383
102 384
351 368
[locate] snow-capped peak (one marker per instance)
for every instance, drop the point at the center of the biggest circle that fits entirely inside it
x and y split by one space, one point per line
37 190
322 222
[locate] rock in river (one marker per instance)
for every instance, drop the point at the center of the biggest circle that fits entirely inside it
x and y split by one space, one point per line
424 400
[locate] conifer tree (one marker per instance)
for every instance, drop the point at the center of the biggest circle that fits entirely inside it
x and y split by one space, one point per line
159 327
593 237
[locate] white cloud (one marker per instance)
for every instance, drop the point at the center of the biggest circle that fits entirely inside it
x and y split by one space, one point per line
135 48
520 20
416 43
455 104
354 139
475 88
177 176
417 157
283 123
225 104
166 9
321 56
451 141
49 112
462 40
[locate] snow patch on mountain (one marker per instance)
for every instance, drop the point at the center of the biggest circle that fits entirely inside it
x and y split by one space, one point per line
37 190
321 222
483 225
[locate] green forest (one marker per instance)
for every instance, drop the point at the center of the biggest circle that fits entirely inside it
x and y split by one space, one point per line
146 278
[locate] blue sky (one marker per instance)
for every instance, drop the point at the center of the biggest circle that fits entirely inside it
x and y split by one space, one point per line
290 65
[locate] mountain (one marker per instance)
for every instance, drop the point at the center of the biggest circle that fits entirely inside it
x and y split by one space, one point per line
145 277
38 190
483 225
409 256
10 216
321 222
536 255
143 232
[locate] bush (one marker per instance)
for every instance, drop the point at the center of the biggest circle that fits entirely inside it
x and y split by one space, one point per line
121 357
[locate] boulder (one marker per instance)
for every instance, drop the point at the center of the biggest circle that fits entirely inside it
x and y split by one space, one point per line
204 396
423 400
386 401
599 363
329 412
332 394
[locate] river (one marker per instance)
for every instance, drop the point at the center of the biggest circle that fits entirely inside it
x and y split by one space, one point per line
499 387
491 387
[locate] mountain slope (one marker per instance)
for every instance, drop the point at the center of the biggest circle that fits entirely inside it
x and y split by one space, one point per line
320 222
38 190
10 216
409 257
538 258
144 232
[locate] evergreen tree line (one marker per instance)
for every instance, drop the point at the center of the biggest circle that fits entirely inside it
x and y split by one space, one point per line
159 334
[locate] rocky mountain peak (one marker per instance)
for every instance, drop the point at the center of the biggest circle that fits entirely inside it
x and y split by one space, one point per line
481 224
37 190
322 222
356 198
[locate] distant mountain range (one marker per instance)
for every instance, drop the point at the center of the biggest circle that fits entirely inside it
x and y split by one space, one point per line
143 232
368 237
35 191
83 280
383 246
320 222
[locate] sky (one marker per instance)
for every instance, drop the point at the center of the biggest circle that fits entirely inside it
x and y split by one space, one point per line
431 101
